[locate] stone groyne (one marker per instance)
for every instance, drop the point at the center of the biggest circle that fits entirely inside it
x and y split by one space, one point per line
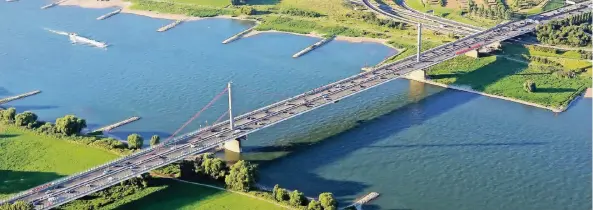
118 124
169 26
9 99
312 47
105 16
53 4
237 36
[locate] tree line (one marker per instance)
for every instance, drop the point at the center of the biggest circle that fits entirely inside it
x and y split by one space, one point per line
572 31
372 18
495 12
241 176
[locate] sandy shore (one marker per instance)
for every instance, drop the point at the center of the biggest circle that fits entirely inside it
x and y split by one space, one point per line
126 9
589 93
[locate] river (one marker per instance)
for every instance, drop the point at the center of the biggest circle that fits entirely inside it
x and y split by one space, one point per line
420 146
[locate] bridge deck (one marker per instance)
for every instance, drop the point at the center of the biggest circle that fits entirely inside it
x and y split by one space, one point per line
75 186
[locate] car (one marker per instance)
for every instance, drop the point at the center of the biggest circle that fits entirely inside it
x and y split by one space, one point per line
128 163
48 192
106 171
90 185
192 146
110 179
71 191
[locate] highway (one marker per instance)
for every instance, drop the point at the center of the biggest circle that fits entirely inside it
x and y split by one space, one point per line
429 21
69 188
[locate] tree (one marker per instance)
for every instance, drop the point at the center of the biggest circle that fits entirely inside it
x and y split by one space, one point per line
314 205
69 125
327 200
46 128
154 140
297 198
242 176
25 118
215 168
247 11
135 141
8 115
529 86
281 194
276 187
18 205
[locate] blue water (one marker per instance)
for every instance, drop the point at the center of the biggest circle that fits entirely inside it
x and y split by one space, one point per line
420 146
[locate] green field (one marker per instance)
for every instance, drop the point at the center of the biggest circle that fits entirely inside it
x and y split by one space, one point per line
450 13
500 76
336 18
171 194
29 159
553 4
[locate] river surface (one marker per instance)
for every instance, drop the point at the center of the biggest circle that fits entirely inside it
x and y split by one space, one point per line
419 146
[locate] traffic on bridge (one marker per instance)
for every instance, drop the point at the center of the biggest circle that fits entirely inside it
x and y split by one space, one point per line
75 186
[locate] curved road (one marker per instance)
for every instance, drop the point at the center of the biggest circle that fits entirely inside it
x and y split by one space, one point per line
69 188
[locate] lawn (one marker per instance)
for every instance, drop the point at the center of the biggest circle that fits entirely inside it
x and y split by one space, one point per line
171 194
503 77
553 4
29 159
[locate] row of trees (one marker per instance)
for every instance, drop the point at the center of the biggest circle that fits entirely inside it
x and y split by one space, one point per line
241 176
573 31
300 12
544 60
587 55
326 201
67 125
19 205
495 12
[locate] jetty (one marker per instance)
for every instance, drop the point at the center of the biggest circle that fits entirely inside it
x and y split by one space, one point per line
237 36
169 26
75 38
11 0
312 47
53 4
9 99
367 198
105 16
118 124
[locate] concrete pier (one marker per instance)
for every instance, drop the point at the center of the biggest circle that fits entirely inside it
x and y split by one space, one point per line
237 36
118 124
53 4
9 99
11 0
367 198
105 16
312 47
169 26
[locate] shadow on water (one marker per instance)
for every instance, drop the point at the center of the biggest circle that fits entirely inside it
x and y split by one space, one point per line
16 181
22 108
461 145
555 90
145 134
5 92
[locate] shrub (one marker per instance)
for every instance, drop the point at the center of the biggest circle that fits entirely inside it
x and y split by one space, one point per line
135 141
529 86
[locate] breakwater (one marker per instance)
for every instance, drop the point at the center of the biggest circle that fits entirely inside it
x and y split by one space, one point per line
237 36
9 99
11 0
118 124
53 4
169 26
105 16
312 47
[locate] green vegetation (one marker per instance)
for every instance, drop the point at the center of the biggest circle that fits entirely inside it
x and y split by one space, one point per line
186 8
135 141
154 140
495 12
456 14
572 31
506 74
19 205
29 158
553 4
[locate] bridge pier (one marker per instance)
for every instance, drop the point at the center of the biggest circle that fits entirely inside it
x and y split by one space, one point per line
418 75
472 53
233 146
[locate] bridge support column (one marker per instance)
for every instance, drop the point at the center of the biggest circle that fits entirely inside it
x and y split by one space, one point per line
418 75
472 53
233 145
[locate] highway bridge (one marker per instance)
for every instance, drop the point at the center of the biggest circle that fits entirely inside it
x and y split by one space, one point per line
75 186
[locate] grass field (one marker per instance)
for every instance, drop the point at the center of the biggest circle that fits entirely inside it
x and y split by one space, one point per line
28 159
450 13
171 194
553 4
500 76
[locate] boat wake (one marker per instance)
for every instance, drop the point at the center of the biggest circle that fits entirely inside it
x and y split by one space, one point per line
77 39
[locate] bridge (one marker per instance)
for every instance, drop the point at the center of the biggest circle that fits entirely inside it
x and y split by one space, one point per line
231 131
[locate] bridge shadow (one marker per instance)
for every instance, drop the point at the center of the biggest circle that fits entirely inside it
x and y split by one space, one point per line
17 181
145 134
5 92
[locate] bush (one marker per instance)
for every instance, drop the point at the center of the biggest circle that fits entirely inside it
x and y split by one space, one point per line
69 125
529 86
25 118
297 198
7 115
281 195
154 140
135 141
242 176
18 205
247 11
300 12
314 205
327 200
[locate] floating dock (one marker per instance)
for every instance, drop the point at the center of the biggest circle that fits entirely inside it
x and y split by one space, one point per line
105 16
237 36
169 26
9 99
312 47
53 4
115 125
